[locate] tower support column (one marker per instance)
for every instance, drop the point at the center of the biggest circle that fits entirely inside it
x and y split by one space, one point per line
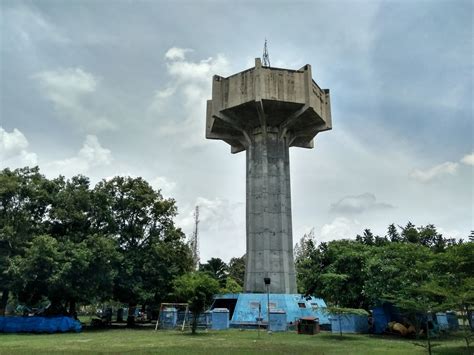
269 228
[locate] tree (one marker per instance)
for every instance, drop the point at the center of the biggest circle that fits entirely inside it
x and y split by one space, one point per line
392 234
395 267
455 282
71 207
60 272
409 233
141 221
237 270
197 289
217 269
231 286
333 271
25 196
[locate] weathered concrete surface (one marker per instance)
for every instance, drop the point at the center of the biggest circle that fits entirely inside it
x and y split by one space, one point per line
265 111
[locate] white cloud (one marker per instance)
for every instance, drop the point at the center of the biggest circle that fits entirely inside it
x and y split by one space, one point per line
221 227
70 91
176 53
13 150
27 28
164 184
203 70
339 228
90 156
358 204
191 82
451 233
446 168
165 93
468 159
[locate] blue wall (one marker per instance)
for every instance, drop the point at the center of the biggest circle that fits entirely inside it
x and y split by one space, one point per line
349 323
296 306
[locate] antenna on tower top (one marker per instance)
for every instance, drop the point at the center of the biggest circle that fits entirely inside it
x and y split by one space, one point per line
266 57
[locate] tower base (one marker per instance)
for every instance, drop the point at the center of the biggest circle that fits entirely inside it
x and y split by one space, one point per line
244 307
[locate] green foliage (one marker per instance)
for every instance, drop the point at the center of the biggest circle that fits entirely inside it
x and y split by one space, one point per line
64 242
237 270
196 288
417 269
334 271
231 286
217 269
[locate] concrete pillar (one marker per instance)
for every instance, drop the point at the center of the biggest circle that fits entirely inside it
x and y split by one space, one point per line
269 229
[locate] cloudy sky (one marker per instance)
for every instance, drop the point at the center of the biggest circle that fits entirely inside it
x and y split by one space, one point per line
119 87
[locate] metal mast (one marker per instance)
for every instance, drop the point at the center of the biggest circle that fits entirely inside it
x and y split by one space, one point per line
266 57
195 240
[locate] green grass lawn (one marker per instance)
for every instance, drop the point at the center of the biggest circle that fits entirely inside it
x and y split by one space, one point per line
214 342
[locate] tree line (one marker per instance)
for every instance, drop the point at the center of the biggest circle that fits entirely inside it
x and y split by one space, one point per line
414 267
66 242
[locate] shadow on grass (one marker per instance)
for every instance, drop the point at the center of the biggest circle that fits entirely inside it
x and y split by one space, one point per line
195 335
452 350
337 337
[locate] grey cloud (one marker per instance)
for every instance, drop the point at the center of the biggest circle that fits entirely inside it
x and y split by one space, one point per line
359 204
399 102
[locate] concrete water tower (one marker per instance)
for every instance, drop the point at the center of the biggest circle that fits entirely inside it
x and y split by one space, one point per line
265 111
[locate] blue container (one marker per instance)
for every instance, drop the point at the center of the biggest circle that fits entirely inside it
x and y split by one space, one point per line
381 319
277 321
447 321
349 323
442 320
452 320
38 324
220 319
168 318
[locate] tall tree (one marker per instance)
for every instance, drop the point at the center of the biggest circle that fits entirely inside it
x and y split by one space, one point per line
392 234
141 221
25 196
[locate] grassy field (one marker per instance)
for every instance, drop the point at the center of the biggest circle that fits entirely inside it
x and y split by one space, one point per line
214 342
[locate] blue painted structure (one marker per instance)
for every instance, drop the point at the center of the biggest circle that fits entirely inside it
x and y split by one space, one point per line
349 323
278 321
220 318
39 324
168 318
447 321
384 314
244 307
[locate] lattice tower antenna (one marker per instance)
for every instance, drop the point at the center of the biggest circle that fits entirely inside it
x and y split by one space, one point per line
266 57
195 240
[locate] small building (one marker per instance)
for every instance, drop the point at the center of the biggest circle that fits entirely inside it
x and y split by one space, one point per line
246 308
349 323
